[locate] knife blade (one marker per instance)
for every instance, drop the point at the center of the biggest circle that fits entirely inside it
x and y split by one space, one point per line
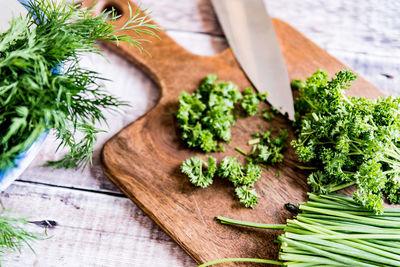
251 35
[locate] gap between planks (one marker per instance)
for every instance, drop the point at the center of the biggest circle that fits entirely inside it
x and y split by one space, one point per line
108 193
93 230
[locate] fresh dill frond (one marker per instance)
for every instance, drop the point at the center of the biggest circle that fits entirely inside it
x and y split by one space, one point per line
37 94
13 236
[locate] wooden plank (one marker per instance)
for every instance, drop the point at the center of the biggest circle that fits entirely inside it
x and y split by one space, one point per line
93 230
357 26
380 70
183 15
144 158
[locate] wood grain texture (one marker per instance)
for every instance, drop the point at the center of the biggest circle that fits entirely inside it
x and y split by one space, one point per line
93 230
143 159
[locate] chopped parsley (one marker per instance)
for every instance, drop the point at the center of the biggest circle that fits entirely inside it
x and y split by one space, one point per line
251 100
206 116
198 175
247 196
267 149
242 178
232 170
268 115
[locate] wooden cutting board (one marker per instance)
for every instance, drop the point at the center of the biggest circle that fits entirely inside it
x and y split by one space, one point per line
143 159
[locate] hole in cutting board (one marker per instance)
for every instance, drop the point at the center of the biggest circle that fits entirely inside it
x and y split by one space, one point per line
114 8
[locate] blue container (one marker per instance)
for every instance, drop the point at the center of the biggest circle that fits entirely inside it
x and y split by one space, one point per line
22 162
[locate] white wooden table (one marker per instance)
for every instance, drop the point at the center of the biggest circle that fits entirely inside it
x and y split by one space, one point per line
97 224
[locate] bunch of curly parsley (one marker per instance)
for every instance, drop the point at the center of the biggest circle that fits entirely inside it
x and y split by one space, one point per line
35 96
348 140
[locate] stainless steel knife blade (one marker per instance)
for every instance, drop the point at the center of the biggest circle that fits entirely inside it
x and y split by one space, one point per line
251 35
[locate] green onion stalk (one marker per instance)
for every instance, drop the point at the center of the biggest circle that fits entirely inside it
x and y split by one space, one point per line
332 230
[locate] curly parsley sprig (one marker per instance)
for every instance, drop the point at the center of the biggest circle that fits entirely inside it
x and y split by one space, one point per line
247 196
349 140
242 178
193 168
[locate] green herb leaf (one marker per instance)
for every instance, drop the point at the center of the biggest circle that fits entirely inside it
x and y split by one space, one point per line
13 235
232 170
267 149
251 100
247 196
193 168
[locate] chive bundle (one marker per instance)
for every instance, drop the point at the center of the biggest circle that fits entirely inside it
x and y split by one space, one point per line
333 230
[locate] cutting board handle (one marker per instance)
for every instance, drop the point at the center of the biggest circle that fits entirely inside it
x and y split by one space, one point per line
162 55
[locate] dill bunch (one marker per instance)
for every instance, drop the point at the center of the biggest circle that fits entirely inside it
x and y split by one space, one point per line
37 94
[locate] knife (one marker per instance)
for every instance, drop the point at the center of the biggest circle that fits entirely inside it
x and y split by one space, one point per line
251 35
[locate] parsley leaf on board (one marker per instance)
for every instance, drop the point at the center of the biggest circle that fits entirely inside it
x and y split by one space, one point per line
193 168
267 149
242 178
268 115
251 100
232 170
247 196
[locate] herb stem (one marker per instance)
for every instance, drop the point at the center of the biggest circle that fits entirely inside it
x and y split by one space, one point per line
240 260
238 149
341 186
306 167
250 224
254 141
